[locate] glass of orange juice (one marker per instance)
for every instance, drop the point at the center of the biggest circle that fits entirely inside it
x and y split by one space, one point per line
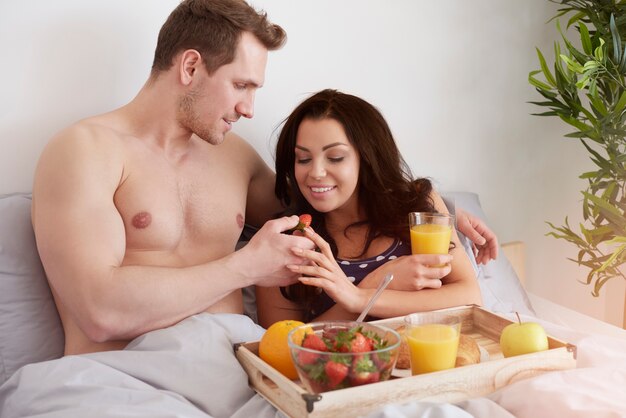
430 232
433 340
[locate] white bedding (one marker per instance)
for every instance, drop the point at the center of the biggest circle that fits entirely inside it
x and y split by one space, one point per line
595 388
189 370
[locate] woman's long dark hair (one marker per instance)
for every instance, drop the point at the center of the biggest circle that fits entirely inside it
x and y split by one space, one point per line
386 188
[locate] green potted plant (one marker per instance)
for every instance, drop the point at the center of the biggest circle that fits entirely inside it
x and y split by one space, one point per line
587 90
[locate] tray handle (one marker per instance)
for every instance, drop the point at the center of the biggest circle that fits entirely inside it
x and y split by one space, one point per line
310 399
282 388
572 349
513 372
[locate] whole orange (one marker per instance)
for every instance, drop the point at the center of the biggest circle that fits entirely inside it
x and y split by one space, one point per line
274 350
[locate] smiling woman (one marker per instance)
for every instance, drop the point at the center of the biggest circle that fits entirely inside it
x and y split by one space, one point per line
326 168
337 159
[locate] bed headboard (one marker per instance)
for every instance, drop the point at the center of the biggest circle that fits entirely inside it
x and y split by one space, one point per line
515 251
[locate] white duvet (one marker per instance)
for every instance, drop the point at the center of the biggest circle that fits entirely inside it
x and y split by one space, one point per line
190 370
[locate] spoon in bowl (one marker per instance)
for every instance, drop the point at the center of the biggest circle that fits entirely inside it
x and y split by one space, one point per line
383 284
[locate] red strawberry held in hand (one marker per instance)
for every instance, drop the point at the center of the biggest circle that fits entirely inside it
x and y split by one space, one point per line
304 222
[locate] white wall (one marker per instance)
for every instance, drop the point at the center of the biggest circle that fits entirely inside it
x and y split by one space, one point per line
451 78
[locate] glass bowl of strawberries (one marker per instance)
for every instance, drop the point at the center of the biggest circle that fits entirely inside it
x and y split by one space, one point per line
341 354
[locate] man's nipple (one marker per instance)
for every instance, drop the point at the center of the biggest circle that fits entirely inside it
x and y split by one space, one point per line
240 220
142 220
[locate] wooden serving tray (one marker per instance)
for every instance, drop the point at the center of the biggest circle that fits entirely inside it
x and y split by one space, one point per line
452 385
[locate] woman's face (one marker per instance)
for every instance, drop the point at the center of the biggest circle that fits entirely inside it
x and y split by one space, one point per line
326 165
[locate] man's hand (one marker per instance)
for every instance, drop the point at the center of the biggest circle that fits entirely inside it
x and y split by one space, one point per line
485 242
270 251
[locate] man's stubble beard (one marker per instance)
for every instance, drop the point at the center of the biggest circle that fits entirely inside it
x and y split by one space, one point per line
189 119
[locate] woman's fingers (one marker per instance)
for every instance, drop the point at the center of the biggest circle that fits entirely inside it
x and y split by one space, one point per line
313 256
319 242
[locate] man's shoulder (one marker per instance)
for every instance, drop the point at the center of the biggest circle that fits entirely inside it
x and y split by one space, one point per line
87 135
92 128
236 144
84 144
237 147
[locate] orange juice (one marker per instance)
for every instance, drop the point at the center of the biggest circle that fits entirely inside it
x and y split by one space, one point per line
430 238
433 347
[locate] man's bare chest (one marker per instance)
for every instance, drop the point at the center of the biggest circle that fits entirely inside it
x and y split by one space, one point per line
196 212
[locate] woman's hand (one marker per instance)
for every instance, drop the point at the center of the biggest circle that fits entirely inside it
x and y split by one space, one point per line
412 272
324 272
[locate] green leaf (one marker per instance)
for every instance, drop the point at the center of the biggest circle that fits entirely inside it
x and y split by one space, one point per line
600 233
622 64
572 65
582 83
598 286
586 130
584 38
540 85
616 240
609 210
609 262
617 42
599 52
544 67
601 161
597 103
621 103
591 66
558 65
593 90
575 18
588 175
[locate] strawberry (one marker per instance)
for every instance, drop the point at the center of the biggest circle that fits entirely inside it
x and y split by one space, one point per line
336 372
303 222
313 342
306 358
364 371
363 378
360 344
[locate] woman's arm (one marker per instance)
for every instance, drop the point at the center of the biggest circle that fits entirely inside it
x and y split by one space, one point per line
458 287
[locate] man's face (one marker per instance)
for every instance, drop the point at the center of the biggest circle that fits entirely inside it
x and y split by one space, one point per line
215 102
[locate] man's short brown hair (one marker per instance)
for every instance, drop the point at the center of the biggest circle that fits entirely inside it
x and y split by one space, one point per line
213 28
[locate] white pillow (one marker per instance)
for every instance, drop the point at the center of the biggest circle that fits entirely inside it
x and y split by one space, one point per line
30 329
500 287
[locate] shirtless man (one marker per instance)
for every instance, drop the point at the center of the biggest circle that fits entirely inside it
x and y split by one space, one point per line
137 211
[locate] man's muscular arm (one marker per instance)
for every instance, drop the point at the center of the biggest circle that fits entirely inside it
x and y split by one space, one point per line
81 239
261 203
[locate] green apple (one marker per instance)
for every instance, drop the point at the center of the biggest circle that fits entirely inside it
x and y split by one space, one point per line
522 338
